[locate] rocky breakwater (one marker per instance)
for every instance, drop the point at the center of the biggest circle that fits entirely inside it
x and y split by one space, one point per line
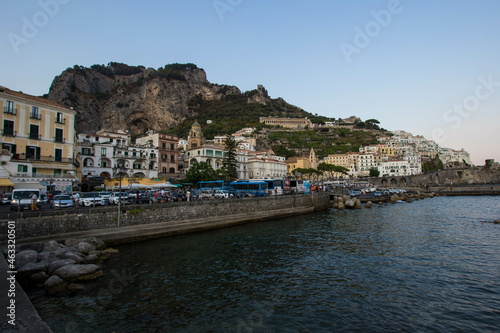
62 268
342 202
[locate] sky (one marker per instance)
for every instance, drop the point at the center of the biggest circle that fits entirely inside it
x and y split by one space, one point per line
427 67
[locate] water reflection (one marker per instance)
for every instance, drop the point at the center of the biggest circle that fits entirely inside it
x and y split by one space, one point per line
426 266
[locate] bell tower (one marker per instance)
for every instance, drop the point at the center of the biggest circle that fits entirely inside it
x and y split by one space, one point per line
195 137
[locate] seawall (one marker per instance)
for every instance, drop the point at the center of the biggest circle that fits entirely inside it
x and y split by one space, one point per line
139 222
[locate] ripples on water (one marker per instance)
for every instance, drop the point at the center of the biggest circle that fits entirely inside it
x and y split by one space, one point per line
430 265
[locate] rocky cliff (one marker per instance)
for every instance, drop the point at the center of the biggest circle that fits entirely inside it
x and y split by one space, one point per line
135 98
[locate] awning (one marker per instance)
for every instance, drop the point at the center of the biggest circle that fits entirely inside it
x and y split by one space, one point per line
6 182
18 186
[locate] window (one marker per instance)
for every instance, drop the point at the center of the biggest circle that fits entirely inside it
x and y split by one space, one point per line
86 151
172 170
136 166
58 155
35 113
57 171
103 151
60 118
59 135
32 153
164 170
9 108
172 146
8 128
172 158
104 164
22 168
34 132
163 145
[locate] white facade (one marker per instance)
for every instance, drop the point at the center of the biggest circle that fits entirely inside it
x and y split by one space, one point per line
394 168
101 151
267 168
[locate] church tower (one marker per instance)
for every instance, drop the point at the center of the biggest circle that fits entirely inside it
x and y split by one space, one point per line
312 159
195 137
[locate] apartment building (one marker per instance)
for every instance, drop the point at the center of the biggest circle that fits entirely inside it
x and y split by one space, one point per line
40 137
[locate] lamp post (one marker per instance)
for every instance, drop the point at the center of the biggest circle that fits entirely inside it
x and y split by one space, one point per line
119 169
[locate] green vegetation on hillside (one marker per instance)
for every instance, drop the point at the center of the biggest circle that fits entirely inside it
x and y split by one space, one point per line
232 113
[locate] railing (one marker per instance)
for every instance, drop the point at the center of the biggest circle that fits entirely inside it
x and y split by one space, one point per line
23 157
9 110
9 133
36 116
61 121
34 136
87 154
60 140
48 176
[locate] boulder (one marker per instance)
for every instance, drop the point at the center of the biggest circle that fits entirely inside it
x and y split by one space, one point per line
72 242
85 248
341 206
350 203
47 256
106 253
39 278
74 288
26 257
55 265
98 243
38 247
357 204
51 246
335 205
368 204
55 285
92 259
73 273
32 268
72 255
496 221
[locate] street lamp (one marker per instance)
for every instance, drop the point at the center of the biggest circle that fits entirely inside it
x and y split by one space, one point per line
119 170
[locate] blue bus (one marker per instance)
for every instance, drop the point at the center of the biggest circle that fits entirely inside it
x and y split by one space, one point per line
257 188
274 186
213 185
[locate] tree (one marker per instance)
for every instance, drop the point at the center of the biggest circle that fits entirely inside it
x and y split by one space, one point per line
200 172
374 172
230 161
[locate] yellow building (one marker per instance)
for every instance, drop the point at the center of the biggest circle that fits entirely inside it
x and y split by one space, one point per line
297 163
40 137
388 151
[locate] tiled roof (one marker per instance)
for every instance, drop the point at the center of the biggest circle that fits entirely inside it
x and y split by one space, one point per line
37 99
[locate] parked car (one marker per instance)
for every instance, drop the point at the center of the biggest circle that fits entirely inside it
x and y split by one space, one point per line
63 201
6 198
206 195
88 199
221 194
355 193
105 195
114 196
143 198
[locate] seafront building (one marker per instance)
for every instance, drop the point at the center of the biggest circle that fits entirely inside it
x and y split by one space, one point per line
38 141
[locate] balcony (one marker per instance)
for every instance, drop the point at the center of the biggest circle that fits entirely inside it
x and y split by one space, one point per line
36 116
35 136
9 133
9 110
61 121
59 140
33 158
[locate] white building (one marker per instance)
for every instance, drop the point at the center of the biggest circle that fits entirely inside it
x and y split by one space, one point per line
394 168
101 151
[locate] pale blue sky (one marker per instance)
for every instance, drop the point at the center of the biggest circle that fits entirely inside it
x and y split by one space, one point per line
418 60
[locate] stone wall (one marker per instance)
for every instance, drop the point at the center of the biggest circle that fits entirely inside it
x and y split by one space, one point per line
84 219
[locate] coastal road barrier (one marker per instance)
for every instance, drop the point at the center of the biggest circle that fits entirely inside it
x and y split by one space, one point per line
144 221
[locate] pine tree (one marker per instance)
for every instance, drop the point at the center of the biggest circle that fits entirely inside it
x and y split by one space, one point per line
230 161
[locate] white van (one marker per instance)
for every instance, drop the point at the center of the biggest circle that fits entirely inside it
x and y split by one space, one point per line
21 199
